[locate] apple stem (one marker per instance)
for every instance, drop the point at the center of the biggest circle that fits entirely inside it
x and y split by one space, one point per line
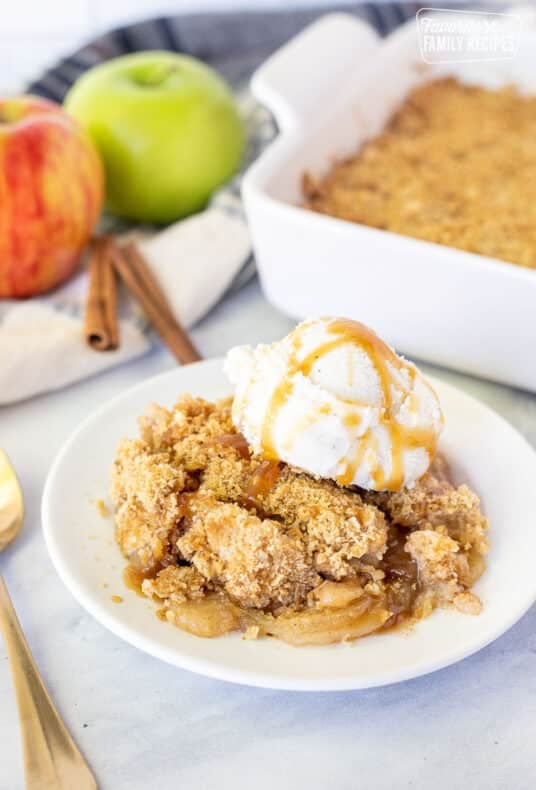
155 75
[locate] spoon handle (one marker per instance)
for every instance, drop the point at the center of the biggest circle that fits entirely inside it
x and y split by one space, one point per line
51 758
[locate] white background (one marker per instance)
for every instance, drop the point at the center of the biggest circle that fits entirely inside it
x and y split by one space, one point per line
35 33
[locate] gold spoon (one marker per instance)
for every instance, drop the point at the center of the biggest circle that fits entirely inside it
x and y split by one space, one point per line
51 758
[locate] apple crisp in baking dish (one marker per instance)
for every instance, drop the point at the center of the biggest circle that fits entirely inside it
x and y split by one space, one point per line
456 165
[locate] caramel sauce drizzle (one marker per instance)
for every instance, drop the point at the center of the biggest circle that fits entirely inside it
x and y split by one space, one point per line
133 578
305 422
235 440
260 483
402 437
279 397
346 477
277 401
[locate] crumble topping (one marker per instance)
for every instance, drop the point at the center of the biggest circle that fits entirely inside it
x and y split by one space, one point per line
224 540
146 489
335 525
257 563
453 167
434 503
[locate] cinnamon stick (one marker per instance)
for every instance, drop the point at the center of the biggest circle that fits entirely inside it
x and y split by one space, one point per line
140 281
101 329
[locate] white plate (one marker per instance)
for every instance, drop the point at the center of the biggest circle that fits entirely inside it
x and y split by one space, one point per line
483 449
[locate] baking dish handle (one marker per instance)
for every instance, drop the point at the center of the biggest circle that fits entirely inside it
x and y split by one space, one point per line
298 80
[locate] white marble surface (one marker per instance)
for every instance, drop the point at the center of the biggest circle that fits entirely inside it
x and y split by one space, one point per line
144 724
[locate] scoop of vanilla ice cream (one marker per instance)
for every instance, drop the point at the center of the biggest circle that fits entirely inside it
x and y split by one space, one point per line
334 400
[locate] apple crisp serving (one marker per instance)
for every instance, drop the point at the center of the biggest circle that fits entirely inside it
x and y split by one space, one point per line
454 166
223 540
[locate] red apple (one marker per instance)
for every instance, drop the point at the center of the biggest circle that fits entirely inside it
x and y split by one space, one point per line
51 195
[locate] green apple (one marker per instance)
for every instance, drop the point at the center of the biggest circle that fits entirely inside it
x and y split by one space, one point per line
167 128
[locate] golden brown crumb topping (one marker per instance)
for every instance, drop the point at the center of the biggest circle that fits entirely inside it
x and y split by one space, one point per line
224 540
433 503
256 562
454 166
177 583
334 525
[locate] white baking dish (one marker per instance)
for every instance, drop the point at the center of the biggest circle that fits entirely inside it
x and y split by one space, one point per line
330 89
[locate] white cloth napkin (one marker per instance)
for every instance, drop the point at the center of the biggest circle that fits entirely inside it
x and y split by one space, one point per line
196 260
